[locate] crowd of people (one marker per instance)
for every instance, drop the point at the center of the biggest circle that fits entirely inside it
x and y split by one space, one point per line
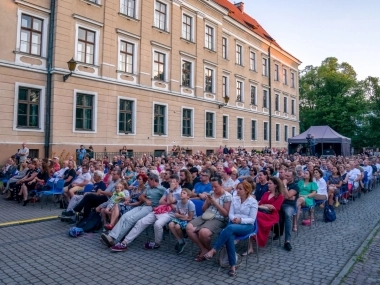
197 197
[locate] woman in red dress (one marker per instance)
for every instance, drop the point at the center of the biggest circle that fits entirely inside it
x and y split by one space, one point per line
267 216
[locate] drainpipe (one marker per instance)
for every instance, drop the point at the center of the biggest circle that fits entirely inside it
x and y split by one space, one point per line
49 79
270 97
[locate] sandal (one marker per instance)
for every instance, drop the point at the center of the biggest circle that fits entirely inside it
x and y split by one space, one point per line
246 253
200 258
294 229
232 273
207 256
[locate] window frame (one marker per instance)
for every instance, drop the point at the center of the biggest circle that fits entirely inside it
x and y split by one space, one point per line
241 119
191 121
277 132
41 119
192 26
265 66
252 61
191 79
96 47
265 131
94 113
167 16
285 75
239 55
293 107
136 9
166 76
253 134
227 127
213 125
240 88
285 104
213 91
134 112
212 27
225 86
166 130
44 35
293 131
292 79
266 91
224 48
276 72
255 95
286 133
277 102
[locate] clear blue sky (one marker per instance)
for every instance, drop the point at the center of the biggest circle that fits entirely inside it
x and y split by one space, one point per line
312 30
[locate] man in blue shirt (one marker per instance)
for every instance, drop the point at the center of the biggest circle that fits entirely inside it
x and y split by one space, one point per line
243 169
202 187
81 153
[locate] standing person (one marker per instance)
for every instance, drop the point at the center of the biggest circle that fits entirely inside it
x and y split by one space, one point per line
312 146
81 152
242 216
23 154
225 150
91 152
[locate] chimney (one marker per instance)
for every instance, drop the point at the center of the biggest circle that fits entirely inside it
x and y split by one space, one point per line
240 6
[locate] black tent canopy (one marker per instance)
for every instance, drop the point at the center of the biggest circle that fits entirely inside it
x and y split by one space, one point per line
325 138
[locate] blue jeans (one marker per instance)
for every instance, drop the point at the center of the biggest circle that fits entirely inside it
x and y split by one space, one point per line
227 237
287 211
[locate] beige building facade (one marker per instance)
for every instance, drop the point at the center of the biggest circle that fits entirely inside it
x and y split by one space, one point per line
149 75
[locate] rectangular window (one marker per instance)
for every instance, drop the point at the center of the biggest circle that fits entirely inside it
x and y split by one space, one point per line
225 86
209 78
277 132
128 7
159 119
276 72
187 27
28 109
252 61
126 56
84 112
31 34
159 66
253 130
265 131
277 102
239 129
186 74
209 125
292 80
187 117
224 48
253 95
160 15
239 91
265 99
293 131
86 46
285 76
225 127
265 66
239 55
126 116
209 38
293 107
285 104
286 133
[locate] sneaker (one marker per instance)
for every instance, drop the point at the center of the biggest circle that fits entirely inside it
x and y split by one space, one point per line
176 246
336 205
68 213
106 240
288 246
181 247
119 247
151 245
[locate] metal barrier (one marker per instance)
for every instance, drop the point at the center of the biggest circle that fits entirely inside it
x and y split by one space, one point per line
138 155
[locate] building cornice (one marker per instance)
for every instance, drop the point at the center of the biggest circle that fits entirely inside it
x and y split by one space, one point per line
31 5
87 20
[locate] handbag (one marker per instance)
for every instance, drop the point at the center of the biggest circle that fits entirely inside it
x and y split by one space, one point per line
266 211
208 215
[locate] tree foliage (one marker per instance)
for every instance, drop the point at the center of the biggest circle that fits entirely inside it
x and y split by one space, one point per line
331 95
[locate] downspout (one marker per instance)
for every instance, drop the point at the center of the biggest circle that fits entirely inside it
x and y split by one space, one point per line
49 79
270 97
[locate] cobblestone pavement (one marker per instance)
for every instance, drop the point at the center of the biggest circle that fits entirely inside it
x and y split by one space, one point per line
367 266
43 253
11 211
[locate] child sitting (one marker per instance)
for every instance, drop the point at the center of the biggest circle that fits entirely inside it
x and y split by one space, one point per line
119 195
185 212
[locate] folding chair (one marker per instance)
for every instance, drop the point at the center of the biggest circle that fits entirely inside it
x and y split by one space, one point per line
56 190
247 238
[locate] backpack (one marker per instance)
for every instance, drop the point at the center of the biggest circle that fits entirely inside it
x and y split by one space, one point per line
329 213
222 258
91 223
75 232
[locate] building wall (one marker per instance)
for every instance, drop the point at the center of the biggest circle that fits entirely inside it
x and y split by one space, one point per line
108 84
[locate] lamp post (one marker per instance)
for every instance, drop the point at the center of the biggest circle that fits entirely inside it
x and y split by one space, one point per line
72 64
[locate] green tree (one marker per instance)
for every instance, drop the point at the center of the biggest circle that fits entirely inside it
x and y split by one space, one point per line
331 95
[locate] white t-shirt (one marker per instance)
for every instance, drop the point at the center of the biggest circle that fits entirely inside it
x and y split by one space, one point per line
369 170
25 151
82 178
352 175
322 187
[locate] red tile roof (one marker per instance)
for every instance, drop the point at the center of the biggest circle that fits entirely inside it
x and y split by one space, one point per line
247 21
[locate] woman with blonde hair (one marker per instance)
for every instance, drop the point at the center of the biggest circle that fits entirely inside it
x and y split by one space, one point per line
242 216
